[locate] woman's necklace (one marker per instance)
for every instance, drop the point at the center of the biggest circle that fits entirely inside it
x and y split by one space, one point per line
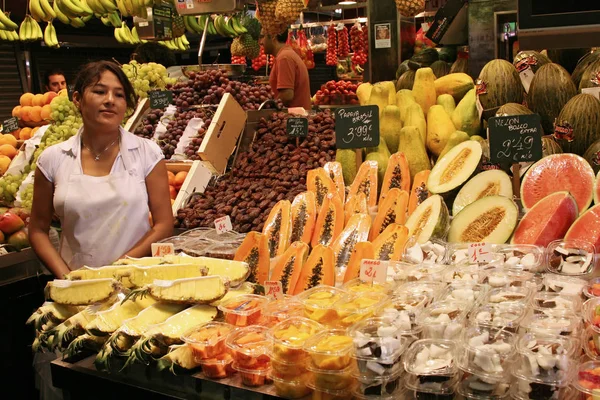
97 156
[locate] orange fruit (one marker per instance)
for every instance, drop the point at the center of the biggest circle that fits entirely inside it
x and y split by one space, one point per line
172 201
38 100
171 177
4 163
26 133
26 99
172 192
16 112
9 139
36 114
8 151
180 178
49 96
26 113
46 112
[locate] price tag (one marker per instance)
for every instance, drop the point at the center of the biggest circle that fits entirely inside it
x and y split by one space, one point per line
373 271
297 127
480 253
357 127
162 249
515 138
10 125
594 91
223 224
273 290
526 78
160 98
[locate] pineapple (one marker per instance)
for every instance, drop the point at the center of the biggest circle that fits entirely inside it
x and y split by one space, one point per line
288 11
410 8
144 261
245 288
266 16
110 271
50 314
141 276
202 290
85 342
236 271
78 293
180 358
106 322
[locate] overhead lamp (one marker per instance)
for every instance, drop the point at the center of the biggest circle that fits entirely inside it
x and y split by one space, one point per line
346 2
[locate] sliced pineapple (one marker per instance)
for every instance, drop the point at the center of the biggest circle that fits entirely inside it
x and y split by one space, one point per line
140 276
236 271
180 358
85 342
201 290
50 314
106 322
116 272
144 261
79 293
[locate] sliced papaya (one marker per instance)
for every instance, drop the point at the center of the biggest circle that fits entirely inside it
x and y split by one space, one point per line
392 209
356 204
330 221
334 169
419 192
397 175
357 230
304 216
291 261
254 251
278 228
319 182
389 245
366 182
318 270
361 251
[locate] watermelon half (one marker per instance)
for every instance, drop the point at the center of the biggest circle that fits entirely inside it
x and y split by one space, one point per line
559 172
587 227
549 219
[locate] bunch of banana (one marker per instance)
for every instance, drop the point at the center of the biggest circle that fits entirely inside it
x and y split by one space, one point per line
6 24
30 30
192 25
125 35
178 44
102 7
41 10
229 26
72 9
129 8
111 19
9 36
50 36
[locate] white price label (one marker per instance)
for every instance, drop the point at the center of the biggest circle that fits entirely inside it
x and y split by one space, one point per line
480 253
273 290
526 78
594 91
162 249
374 271
223 224
425 27
479 107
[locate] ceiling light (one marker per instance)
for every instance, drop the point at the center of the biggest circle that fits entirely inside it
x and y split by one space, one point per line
346 3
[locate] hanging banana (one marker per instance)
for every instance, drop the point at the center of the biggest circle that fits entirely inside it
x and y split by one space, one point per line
62 17
50 36
8 24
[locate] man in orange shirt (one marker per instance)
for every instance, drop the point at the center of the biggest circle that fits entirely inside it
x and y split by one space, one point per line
289 76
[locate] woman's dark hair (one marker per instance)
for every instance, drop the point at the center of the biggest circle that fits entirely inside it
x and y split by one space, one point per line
154 52
90 74
50 72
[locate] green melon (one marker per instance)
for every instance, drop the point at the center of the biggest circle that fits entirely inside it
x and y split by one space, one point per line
502 85
406 80
513 109
532 58
550 89
550 146
582 66
592 155
578 124
591 75
440 68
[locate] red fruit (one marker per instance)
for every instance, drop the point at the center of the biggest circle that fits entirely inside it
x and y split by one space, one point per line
10 223
19 239
21 212
596 320
596 289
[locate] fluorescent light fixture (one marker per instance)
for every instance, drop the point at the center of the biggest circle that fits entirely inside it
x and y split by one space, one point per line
346 3
338 10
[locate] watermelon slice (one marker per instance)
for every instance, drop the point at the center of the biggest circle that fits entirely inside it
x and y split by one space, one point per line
558 172
587 227
548 220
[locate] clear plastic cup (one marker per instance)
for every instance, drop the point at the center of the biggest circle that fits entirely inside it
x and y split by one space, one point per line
320 394
356 307
329 379
508 295
243 310
485 351
556 325
380 386
429 289
591 313
431 252
357 286
587 381
556 304
590 341
566 285
504 316
288 370
291 388
443 320
592 289
473 387
253 377
571 258
250 347
330 349
208 340
276 311
288 338
501 277
527 389
523 257
467 292
217 367
431 388
431 358
318 304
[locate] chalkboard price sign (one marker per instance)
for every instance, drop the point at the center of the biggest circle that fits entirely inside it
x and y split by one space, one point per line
160 98
357 127
10 125
297 127
515 138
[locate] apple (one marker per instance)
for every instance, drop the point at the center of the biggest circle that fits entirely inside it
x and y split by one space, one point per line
10 223
19 239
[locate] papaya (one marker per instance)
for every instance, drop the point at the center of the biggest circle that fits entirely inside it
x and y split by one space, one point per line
391 86
456 85
414 151
379 97
317 270
347 158
330 221
416 118
381 155
456 138
439 129
419 192
389 127
356 204
278 228
304 216
447 101
335 171
363 92
319 182
254 251
404 98
361 251
389 245
366 182
392 209
397 175
465 116
357 230
424 89
288 266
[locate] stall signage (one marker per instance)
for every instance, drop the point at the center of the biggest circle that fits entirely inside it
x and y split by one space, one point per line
223 224
160 98
479 253
357 127
273 290
515 138
374 271
10 125
297 127
162 249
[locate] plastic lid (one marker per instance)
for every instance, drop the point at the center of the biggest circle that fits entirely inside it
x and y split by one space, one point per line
321 296
498 315
434 314
468 292
531 342
251 340
570 257
221 359
408 301
244 304
431 357
377 339
564 284
545 324
520 257
556 303
507 295
360 303
591 343
358 286
294 332
591 312
332 342
426 272
592 289
446 387
485 351
260 372
465 273
208 334
430 289
283 308
472 387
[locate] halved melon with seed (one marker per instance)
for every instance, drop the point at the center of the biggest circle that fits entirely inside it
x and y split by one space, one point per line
491 219
287 269
366 182
317 270
429 220
397 175
419 192
361 251
254 251
330 221
487 183
389 245
455 168
356 204
392 209
319 182
356 230
278 228
334 169
304 216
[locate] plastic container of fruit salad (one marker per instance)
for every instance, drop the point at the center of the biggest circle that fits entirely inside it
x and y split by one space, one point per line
431 357
426 272
527 389
546 359
380 387
505 316
592 289
591 312
560 253
429 289
591 343
544 324
358 286
470 273
443 320
432 252
288 370
522 257
468 292
291 388
288 338
501 277
420 387
253 377
556 304
276 311
217 367
508 295
566 285
318 303
330 349
472 387
587 381
250 347
356 307
243 310
208 340
329 379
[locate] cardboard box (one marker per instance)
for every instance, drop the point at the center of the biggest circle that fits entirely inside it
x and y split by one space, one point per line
198 177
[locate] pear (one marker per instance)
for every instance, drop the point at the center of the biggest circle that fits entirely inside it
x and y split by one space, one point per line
447 101
439 129
456 138
389 127
416 118
413 148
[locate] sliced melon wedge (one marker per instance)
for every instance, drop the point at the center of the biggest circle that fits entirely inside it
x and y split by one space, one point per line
486 183
429 220
455 168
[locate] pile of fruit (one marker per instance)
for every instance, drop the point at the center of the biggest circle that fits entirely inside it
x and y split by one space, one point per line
175 182
331 56
34 109
13 229
360 45
336 93
147 77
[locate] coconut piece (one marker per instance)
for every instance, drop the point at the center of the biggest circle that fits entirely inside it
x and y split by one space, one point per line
528 260
415 254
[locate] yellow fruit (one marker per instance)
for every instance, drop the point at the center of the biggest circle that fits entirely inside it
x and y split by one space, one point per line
26 99
16 112
4 163
439 129
38 100
9 139
8 151
424 89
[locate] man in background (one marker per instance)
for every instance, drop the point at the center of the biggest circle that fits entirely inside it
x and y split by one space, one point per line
54 80
289 76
